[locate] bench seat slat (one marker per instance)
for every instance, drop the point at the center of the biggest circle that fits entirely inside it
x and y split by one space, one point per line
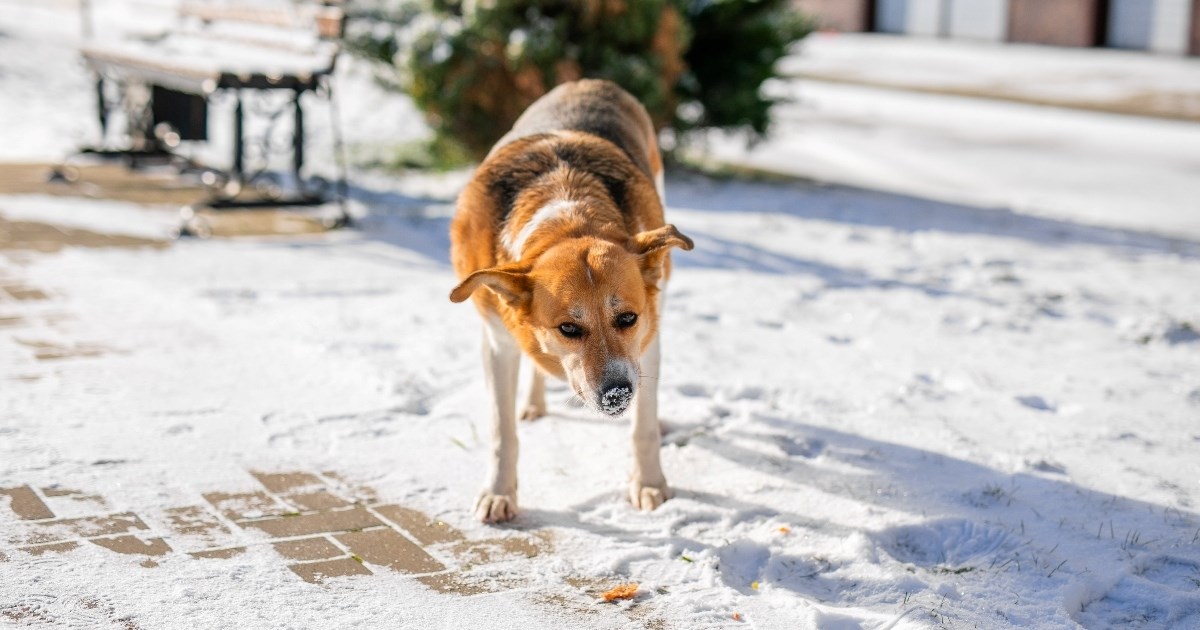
198 66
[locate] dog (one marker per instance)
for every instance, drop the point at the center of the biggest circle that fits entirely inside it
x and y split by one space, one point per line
559 238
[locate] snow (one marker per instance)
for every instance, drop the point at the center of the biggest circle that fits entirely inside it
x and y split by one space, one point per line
1032 160
948 384
1028 70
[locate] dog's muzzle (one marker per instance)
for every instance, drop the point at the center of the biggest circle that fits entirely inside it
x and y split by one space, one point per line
615 396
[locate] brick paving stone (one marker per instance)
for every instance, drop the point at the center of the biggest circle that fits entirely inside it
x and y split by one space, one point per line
68 502
316 572
242 505
134 545
454 583
221 554
319 548
308 524
315 501
477 552
61 547
423 528
26 504
286 481
53 492
85 527
361 494
387 547
23 292
195 522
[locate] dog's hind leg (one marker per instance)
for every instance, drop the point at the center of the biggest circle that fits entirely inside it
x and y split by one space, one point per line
647 486
535 405
501 360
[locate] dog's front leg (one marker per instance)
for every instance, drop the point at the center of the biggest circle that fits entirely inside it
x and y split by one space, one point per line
647 487
501 358
535 407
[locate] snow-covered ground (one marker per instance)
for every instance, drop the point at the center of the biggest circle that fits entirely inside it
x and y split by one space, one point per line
905 398
1087 167
1095 76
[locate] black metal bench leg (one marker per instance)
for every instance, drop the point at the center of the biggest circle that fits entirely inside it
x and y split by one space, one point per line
298 141
101 109
239 140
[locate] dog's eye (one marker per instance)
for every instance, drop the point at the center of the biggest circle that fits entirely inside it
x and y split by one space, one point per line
625 320
570 331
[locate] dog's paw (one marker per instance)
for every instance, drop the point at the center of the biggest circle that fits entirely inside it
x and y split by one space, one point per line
533 412
647 497
496 508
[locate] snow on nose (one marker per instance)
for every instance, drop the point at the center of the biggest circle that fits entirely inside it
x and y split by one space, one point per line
615 397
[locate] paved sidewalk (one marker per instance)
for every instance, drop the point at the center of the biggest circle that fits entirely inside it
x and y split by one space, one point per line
318 524
1116 81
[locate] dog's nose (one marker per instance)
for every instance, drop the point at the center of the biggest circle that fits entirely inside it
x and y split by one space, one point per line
615 396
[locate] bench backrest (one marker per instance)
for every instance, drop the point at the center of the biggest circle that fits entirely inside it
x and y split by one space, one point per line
322 18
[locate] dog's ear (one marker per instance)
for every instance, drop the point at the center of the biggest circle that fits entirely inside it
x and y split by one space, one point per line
665 237
509 282
652 247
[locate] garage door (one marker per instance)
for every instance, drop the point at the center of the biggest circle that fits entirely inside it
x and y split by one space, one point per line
889 15
1130 23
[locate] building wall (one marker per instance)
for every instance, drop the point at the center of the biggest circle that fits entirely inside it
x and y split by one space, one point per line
1169 33
1194 47
839 15
924 18
1167 26
978 19
1056 22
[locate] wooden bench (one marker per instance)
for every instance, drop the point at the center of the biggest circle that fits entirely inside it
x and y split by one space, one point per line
165 82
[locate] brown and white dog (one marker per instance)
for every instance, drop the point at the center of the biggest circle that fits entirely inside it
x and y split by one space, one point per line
559 237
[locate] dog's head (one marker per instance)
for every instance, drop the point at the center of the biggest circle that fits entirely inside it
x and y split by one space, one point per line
585 309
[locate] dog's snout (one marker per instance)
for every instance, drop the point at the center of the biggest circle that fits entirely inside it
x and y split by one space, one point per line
615 396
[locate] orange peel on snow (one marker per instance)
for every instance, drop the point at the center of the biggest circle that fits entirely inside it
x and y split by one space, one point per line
621 591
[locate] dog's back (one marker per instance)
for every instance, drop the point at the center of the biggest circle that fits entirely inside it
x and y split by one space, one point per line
591 128
597 107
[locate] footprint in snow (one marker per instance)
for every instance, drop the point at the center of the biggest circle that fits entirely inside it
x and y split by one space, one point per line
798 447
749 392
1036 402
1171 571
1162 591
949 544
1181 332
1047 466
692 390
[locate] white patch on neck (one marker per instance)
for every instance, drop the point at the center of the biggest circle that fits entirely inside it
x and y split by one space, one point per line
515 244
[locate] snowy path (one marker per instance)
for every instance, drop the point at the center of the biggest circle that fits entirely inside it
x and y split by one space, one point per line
987 424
